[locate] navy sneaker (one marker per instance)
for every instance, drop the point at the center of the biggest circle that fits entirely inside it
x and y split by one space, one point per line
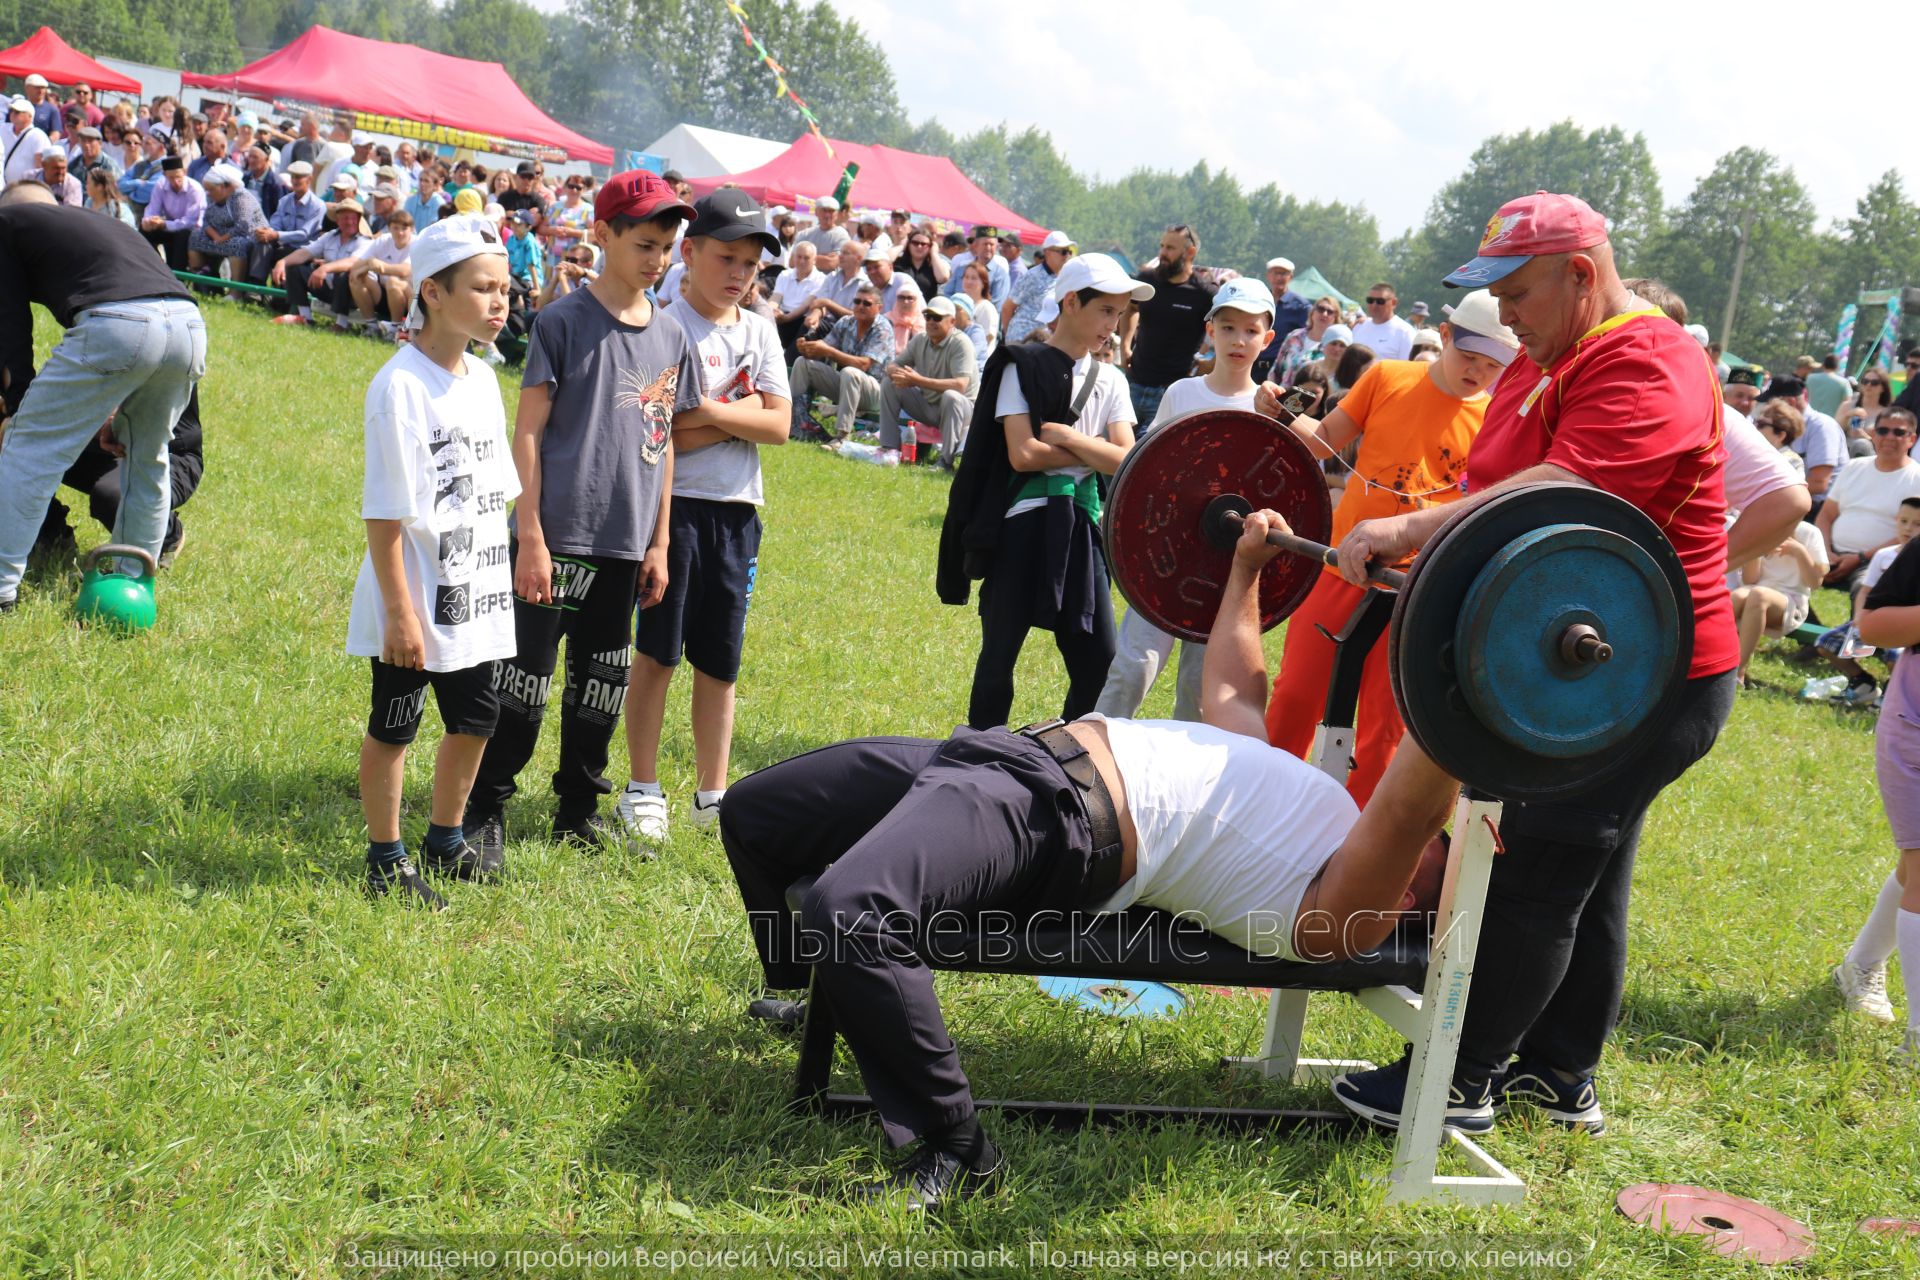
1573 1106
589 831
399 877
486 833
1378 1095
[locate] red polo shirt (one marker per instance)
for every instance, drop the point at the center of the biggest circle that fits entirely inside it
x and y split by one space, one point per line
1632 408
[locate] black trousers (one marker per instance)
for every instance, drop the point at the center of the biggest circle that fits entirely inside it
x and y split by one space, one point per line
173 244
96 473
594 613
1552 962
1016 596
908 832
336 293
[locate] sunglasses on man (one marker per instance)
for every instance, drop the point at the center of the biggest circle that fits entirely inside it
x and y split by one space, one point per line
1891 431
1378 302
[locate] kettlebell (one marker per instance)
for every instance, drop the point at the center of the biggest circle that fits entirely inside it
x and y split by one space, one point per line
112 598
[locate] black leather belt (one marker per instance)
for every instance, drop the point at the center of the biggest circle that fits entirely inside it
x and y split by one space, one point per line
1103 820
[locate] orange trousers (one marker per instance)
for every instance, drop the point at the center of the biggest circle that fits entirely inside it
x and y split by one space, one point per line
1300 691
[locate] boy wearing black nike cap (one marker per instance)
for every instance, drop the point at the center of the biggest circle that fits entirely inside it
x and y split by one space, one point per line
713 544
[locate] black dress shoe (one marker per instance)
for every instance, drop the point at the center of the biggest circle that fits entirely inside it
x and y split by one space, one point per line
785 1015
931 1177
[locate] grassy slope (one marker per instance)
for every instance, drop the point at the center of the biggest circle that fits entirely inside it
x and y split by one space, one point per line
218 1058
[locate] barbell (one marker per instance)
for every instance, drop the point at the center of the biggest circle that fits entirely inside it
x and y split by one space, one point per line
1535 641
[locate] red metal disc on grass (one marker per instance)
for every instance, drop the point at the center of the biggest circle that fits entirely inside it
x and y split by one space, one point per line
1734 1227
1157 545
1891 1226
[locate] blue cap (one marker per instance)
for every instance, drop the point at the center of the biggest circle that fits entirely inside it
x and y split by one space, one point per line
1243 294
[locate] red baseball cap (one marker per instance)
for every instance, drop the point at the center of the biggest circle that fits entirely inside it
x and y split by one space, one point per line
1540 223
637 194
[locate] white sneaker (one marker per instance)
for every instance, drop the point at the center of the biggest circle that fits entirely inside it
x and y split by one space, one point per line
706 816
642 813
1864 991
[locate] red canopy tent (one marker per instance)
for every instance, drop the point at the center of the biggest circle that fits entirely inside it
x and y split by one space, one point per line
405 82
889 179
44 51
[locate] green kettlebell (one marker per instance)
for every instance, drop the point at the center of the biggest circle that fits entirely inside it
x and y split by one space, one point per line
114 599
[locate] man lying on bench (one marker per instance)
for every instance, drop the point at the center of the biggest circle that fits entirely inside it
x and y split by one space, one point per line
1095 816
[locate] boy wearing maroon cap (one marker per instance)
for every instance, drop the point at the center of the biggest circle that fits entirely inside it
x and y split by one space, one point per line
1617 396
606 371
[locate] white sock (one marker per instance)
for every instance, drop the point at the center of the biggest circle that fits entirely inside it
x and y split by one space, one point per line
1910 963
306 313
1875 943
708 799
634 784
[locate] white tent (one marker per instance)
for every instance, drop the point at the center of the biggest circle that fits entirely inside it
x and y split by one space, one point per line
699 152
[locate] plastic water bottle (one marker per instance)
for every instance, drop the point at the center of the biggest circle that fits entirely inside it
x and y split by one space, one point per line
1823 688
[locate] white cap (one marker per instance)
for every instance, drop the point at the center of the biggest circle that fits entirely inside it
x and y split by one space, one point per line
1698 332
959 300
362 139
495 212
445 243
1282 264
36 81
18 103
778 211
1337 333
1098 271
940 306
826 202
52 151
1243 294
1057 240
1475 321
877 254
1426 338
224 174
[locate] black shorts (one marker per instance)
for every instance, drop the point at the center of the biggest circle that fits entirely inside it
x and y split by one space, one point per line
713 553
465 698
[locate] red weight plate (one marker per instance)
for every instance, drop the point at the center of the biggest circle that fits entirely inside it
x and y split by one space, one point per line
1891 1226
1159 554
1735 1228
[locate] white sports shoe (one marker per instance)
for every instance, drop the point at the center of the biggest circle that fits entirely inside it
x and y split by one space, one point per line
1864 991
706 816
642 812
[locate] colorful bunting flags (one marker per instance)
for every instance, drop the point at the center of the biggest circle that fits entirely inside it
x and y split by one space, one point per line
780 86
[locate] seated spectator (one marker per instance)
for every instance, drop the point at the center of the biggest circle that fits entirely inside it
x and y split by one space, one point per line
226 228
174 209
1347 370
137 183
83 98
976 282
1009 247
1822 446
793 293
905 318
357 163
461 180
294 222
917 260
569 220
1776 591
103 196
306 147
499 184
519 191
1860 411
576 267
876 240
1333 348
1426 345
53 171
320 267
98 473
381 280
92 154
834 301
382 203
21 143
428 201
406 158
880 273
263 180
984 249
934 381
963 317
849 362
1302 346
1860 515
213 150
1782 424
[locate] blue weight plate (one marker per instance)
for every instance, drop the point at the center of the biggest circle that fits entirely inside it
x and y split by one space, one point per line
1507 640
1116 997
1426 666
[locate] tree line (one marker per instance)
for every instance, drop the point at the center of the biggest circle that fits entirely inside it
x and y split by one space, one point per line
625 71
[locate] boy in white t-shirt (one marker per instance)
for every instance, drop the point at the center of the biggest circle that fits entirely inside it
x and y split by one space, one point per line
713 543
383 273
433 604
1239 326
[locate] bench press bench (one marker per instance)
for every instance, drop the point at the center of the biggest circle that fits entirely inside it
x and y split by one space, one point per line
1419 990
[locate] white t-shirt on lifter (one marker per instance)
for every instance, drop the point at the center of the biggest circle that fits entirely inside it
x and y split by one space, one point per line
1231 830
736 361
437 462
1192 395
1109 403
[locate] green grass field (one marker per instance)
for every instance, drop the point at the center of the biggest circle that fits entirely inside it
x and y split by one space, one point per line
218 1058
